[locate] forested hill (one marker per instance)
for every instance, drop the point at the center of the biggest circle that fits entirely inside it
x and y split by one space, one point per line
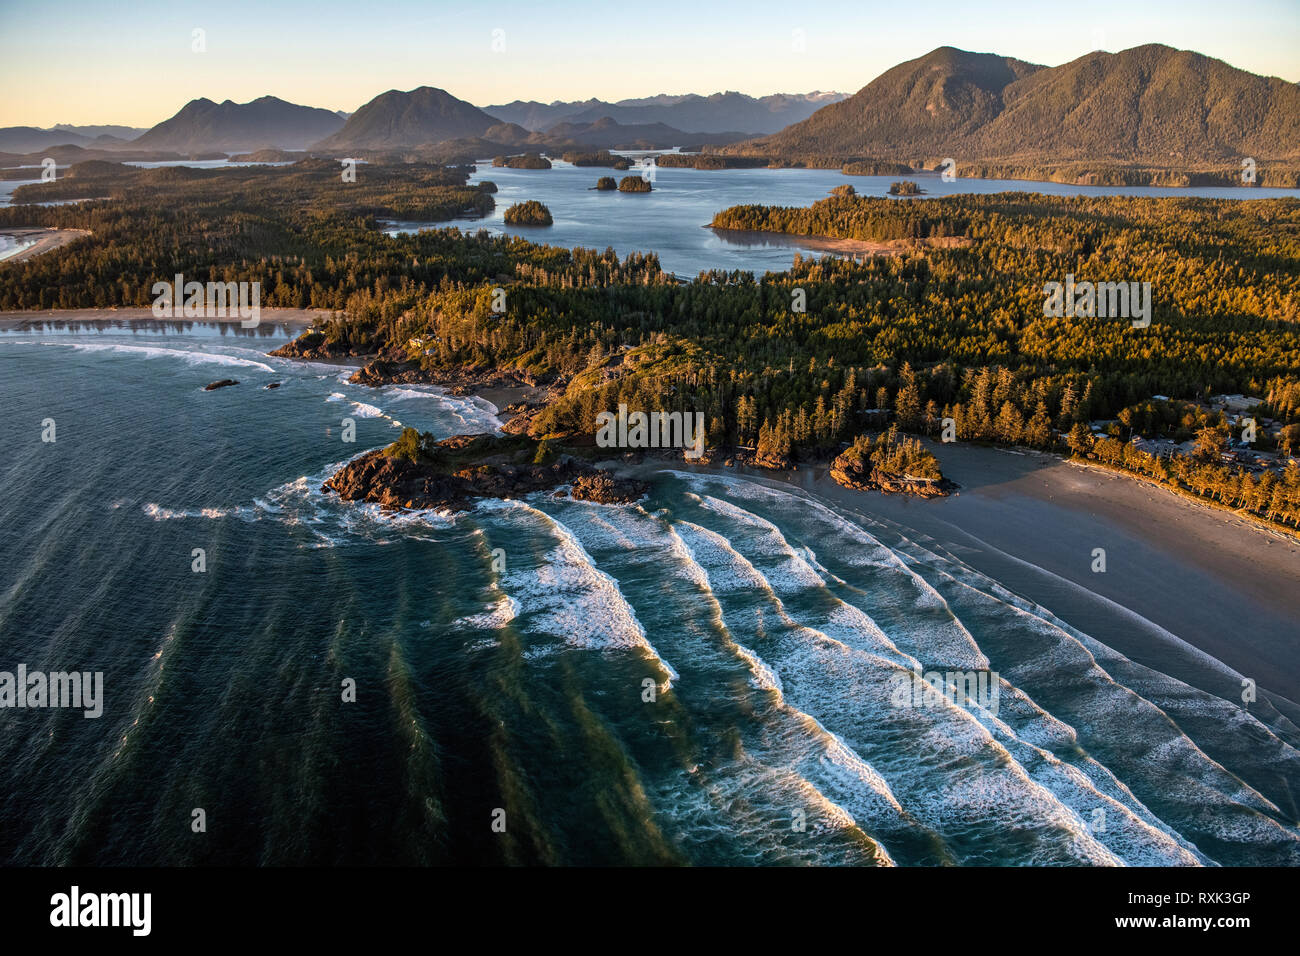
1151 104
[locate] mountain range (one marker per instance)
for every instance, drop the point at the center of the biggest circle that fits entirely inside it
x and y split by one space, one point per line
719 113
1151 104
27 139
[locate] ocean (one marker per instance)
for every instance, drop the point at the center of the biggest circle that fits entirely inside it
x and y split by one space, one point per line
710 676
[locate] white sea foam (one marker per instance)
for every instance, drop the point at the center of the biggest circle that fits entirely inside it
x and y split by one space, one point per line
500 613
567 596
188 356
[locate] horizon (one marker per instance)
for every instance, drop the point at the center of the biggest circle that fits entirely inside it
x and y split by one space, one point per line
512 53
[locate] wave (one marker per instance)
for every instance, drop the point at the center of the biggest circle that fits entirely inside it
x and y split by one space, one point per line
188 356
567 596
160 513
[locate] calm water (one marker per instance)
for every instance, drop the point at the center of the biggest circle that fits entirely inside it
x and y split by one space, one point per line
681 680
670 219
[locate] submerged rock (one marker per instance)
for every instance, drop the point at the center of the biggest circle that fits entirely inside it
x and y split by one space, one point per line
224 383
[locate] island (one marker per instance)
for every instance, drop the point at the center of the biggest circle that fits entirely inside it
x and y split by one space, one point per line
523 161
905 187
601 157
529 213
606 184
634 184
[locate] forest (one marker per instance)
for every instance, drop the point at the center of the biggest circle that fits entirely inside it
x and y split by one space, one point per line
793 364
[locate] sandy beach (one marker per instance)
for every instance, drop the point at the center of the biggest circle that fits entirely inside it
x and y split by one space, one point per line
45 240
1031 521
295 319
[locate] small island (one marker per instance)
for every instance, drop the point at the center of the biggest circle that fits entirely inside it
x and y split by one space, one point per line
634 184
890 463
529 213
418 472
606 184
845 189
601 157
905 187
523 161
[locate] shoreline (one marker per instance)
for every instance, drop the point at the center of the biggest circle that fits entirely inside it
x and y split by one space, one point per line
849 247
46 240
32 320
1225 585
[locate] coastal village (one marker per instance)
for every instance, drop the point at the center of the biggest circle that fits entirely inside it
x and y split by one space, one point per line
1268 449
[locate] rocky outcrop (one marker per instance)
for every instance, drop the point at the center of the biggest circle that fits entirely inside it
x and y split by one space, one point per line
774 462
457 381
224 383
602 487
853 471
313 345
394 482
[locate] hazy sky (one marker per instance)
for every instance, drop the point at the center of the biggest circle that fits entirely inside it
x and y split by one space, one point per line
132 62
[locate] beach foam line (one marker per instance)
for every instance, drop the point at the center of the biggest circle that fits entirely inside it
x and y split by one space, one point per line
919 621
1135 835
187 356
568 596
1150 745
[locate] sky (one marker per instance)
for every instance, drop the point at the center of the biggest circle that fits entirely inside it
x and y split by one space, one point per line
134 62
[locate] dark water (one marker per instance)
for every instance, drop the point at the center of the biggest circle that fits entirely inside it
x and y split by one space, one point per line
670 220
704 677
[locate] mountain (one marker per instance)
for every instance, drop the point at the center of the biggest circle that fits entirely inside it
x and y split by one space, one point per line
1151 104
27 139
535 116
717 113
415 118
606 133
266 122
123 133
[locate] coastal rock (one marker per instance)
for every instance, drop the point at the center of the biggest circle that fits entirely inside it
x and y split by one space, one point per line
602 487
773 461
224 383
852 471
458 469
312 344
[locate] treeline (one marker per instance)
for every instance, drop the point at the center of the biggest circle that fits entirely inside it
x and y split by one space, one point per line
523 161
1268 496
850 217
